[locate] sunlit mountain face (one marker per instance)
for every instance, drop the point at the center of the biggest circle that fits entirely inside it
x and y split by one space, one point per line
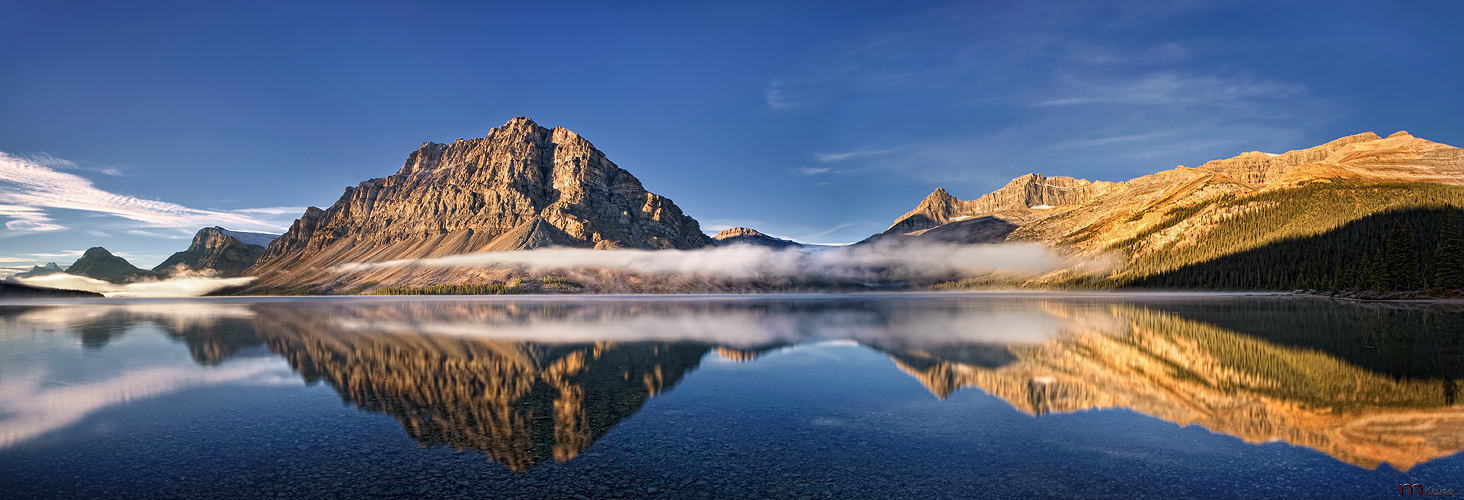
531 382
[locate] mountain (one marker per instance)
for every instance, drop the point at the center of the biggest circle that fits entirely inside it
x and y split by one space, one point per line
218 252
1182 217
98 263
523 186
751 237
35 271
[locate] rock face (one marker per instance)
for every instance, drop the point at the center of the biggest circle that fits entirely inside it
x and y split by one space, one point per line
752 237
36 271
98 263
464 196
214 251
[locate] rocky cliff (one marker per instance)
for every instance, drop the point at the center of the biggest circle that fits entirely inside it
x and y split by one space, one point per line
98 263
214 252
534 185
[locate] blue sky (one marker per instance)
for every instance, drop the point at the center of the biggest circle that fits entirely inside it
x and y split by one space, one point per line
130 125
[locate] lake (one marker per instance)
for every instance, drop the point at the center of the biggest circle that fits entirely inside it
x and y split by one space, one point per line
984 395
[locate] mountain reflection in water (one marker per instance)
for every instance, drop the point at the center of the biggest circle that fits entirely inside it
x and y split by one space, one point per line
527 381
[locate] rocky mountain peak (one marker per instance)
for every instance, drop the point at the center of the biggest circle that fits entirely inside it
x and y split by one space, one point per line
734 232
460 197
37 271
215 251
751 236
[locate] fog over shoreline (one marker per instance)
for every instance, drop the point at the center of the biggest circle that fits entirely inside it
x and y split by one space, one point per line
889 259
191 286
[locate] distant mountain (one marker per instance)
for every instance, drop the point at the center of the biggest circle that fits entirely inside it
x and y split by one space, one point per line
523 186
218 252
747 236
37 271
1188 216
10 290
98 263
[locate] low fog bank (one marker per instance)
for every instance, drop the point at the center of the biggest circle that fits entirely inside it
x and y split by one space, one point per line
191 286
884 260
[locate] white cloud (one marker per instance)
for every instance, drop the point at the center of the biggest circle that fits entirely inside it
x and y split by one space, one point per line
814 170
28 186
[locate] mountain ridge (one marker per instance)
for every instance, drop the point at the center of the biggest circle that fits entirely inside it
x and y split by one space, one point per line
1149 218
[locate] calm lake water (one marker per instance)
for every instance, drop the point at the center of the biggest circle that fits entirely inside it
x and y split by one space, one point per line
909 396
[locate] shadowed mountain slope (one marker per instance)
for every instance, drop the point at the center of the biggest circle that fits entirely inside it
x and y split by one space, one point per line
98 263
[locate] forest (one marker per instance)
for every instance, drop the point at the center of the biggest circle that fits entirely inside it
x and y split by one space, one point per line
1395 250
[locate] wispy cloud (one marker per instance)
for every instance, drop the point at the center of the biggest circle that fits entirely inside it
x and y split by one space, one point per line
24 219
1106 141
776 95
1170 88
47 160
28 187
814 170
292 211
847 155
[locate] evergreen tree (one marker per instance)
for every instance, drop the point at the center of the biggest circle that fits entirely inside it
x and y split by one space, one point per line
1448 264
1368 278
1400 256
